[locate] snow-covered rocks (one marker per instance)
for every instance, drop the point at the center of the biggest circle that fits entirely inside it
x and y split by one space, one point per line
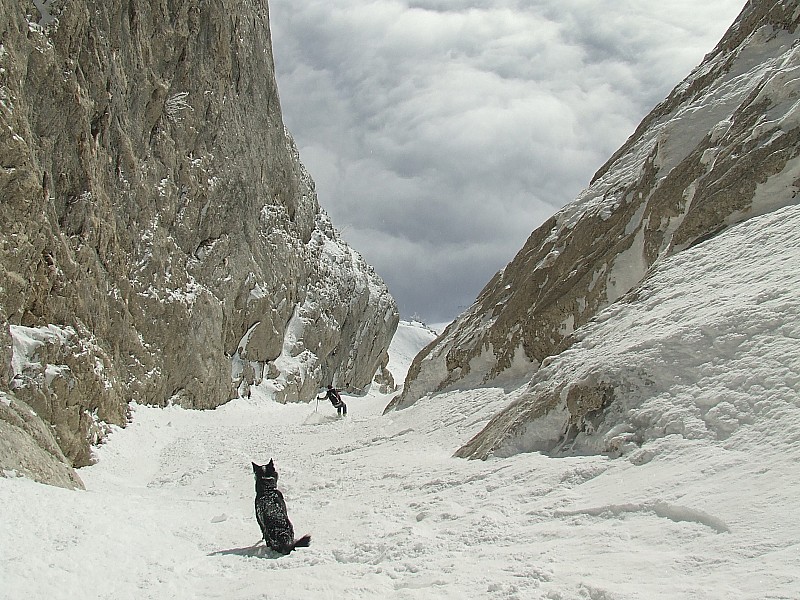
705 349
75 403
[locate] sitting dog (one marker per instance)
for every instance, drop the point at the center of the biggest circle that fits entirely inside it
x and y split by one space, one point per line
271 512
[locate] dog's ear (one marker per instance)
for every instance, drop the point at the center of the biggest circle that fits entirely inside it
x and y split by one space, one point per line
255 467
271 464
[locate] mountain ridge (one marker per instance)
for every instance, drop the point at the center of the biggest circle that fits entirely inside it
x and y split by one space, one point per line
721 149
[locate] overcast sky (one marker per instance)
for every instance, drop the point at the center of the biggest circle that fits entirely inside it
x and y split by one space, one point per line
441 133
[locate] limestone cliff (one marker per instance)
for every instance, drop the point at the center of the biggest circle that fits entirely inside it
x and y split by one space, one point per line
160 241
722 148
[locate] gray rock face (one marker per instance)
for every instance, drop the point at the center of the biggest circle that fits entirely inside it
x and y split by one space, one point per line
28 447
160 240
722 148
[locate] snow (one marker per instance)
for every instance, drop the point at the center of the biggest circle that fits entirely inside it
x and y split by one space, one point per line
410 338
779 190
27 340
628 268
168 509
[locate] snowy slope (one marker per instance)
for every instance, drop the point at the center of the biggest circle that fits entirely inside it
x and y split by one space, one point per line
410 338
168 509
706 348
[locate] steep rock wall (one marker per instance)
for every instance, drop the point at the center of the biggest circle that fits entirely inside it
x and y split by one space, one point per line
160 240
722 148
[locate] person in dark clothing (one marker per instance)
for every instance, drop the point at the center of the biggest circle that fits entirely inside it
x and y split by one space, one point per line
333 395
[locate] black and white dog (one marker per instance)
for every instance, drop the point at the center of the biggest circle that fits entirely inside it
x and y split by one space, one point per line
271 512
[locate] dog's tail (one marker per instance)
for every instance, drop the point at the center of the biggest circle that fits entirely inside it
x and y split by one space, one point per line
303 542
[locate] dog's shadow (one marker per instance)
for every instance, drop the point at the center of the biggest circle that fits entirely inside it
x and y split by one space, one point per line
259 550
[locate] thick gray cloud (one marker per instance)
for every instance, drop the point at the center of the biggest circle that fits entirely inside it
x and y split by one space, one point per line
441 133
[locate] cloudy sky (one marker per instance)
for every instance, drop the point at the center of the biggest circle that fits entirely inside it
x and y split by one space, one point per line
441 133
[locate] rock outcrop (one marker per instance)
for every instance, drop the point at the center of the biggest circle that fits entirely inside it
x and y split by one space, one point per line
721 149
160 241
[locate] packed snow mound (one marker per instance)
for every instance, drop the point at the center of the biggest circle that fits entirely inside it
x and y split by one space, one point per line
705 348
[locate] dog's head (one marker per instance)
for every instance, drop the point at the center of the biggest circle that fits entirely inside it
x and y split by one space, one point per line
265 473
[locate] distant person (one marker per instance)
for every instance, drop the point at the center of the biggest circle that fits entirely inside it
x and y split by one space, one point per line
333 395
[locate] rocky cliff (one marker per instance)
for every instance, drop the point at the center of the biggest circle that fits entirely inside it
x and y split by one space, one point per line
721 149
160 241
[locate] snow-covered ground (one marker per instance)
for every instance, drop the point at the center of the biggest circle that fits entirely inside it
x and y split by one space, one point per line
168 511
